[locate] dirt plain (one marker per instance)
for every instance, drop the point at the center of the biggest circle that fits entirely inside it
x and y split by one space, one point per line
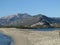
29 37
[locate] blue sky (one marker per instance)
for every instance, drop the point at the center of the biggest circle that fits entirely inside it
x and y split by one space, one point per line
49 8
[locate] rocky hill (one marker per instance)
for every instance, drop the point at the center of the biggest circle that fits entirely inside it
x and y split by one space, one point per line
28 20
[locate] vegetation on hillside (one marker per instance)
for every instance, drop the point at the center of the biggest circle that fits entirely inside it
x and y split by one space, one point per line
29 27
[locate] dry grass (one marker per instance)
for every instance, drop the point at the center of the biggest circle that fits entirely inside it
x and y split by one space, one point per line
22 37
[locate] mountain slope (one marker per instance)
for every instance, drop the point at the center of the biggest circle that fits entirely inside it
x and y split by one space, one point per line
8 19
26 19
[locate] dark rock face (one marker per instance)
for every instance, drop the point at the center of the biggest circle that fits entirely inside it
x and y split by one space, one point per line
5 40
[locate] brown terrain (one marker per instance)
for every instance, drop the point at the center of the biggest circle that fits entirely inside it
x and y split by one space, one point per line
29 37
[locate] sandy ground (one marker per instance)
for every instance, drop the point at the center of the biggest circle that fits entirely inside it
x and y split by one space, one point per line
25 37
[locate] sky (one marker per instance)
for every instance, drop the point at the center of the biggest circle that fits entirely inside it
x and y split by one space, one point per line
50 8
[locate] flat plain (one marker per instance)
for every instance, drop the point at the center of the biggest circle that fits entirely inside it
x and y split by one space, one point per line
29 37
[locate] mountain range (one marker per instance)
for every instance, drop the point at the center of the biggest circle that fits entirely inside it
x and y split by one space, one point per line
28 20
